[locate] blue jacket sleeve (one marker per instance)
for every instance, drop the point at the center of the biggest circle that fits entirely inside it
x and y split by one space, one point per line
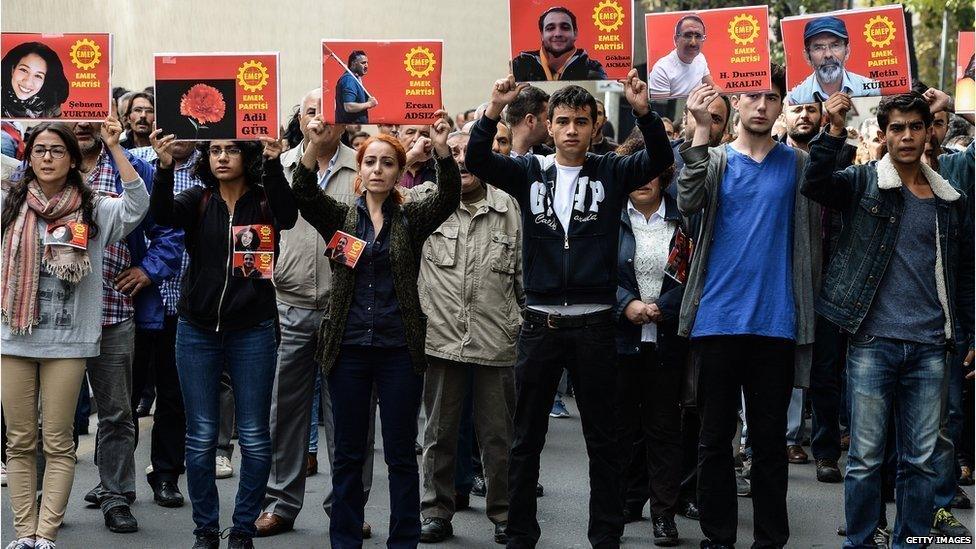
165 251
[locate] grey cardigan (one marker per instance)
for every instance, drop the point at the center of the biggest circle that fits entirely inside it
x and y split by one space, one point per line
698 187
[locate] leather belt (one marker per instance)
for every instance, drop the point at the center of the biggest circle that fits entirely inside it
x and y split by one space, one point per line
559 322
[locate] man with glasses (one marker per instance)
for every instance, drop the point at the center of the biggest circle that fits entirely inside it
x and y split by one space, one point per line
678 72
133 270
826 46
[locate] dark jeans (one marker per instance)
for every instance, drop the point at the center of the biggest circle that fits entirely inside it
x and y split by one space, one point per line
826 380
590 355
950 435
649 431
884 375
399 390
761 368
155 364
249 355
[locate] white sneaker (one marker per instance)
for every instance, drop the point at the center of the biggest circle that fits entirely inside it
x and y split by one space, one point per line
149 469
224 468
3 474
22 543
44 544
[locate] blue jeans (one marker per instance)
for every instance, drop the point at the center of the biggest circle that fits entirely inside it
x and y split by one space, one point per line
881 374
313 424
399 390
250 357
945 464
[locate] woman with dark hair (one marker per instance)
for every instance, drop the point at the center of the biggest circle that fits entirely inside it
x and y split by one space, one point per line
225 321
52 312
37 84
246 240
652 355
374 331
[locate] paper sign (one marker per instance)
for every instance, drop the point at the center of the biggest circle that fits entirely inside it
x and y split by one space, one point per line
253 251
571 39
861 52
345 249
965 78
205 96
728 48
56 76
73 234
381 82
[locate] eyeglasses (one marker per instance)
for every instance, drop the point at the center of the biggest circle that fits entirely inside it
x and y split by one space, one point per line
57 151
835 47
230 151
689 36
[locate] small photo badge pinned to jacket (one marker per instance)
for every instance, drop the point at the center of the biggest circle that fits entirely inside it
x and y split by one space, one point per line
345 249
73 234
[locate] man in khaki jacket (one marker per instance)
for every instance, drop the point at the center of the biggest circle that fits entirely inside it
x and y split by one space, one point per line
302 278
470 288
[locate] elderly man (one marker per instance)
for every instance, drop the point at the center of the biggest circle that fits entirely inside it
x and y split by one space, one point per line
471 286
827 47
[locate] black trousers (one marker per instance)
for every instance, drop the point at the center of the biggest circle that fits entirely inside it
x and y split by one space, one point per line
762 369
649 431
826 391
155 354
690 428
589 354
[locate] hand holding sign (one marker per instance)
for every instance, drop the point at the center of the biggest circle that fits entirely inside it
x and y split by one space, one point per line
439 132
163 147
698 102
372 102
272 148
837 106
111 131
635 90
503 92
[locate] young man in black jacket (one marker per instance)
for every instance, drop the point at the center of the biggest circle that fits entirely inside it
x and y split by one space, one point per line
571 203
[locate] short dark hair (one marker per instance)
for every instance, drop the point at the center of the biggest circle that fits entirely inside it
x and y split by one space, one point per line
573 97
252 153
354 55
557 9
777 76
906 102
531 100
633 144
692 17
118 92
132 100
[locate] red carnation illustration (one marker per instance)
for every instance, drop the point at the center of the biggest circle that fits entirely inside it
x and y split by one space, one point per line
202 104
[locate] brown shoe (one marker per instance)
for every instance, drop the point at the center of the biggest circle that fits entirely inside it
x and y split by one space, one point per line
795 453
367 530
270 524
311 465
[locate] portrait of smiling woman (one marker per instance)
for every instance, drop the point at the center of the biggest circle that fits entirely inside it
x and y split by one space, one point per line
38 85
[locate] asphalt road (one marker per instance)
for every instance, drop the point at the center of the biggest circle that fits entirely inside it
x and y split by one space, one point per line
816 510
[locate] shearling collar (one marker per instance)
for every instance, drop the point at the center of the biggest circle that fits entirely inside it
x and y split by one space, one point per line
888 178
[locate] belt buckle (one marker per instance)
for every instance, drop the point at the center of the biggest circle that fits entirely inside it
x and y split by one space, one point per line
549 323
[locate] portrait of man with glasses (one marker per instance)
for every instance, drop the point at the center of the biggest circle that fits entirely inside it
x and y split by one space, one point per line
685 67
827 47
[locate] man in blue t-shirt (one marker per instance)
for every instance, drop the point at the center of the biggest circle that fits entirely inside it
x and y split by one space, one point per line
748 302
352 101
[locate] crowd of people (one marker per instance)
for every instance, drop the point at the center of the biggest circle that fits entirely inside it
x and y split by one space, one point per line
696 288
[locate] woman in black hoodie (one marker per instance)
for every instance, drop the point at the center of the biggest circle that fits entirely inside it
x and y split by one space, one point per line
226 320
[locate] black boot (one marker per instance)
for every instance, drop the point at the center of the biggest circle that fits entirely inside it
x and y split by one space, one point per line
239 541
119 519
207 540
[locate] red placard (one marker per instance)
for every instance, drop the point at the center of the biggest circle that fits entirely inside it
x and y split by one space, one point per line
387 82
56 76
345 249
598 47
965 79
205 96
734 54
873 62
253 251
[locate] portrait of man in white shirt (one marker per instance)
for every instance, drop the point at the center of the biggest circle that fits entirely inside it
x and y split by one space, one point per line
678 72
